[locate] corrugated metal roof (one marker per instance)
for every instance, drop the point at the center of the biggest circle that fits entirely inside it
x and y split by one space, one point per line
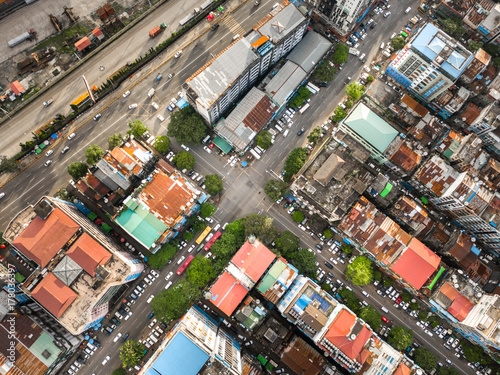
310 50
282 85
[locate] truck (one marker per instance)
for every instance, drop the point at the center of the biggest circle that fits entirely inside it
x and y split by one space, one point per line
157 30
48 102
353 51
28 35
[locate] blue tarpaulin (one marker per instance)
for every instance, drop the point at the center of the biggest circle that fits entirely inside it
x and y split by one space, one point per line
53 136
346 241
181 103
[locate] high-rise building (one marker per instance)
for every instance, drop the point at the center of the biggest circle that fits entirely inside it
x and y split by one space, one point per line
487 126
78 270
430 63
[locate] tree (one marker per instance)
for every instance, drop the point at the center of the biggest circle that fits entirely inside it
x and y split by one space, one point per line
93 153
406 296
347 249
172 303
433 321
370 79
264 139
349 103
398 42
213 184
491 49
473 353
77 170
360 271
28 146
207 209
325 72
294 162
474 45
188 236
496 62
131 353
350 300
287 243
302 95
237 229
453 26
305 261
377 275
137 128
225 246
315 135
184 160
355 90
298 216
162 144
422 315
8 165
159 259
275 189
115 140
425 359
200 271
446 371
119 371
262 227
338 114
399 338
187 126
328 234
388 283
371 316
341 54
413 305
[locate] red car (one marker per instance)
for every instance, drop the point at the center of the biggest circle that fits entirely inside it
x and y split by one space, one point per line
211 145
398 300
385 319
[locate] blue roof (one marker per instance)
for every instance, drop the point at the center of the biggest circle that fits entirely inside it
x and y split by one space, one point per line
430 45
180 357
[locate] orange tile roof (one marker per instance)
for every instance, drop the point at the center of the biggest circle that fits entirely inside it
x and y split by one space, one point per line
128 162
52 294
402 370
449 291
42 239
16 87
88 253
253 259
227 293
406 157
82 43
416 264
460 307
413 104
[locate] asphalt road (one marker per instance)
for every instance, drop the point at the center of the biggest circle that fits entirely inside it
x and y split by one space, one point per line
243 186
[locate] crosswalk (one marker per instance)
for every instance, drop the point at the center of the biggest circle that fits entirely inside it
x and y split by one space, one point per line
233 25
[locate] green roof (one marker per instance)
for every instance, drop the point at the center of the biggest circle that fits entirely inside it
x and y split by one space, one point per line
386 190
271 276
222 144
45 343
371 127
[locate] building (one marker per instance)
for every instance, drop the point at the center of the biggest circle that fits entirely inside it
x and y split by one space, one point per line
486 126
195 343
408 212
78 270
476 67
241 274
343 16
482 19
430 63
221 82
277 280
366 127
159 208
454 8
302 358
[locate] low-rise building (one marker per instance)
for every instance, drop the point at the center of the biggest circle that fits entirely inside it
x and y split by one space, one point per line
302 358
277 280
476 67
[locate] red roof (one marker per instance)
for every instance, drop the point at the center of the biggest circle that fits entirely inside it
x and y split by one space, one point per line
338 335
42 239
402 370
97 32
416 264
227 293
88 253
82 43
16 87
461 307
253 259
52 294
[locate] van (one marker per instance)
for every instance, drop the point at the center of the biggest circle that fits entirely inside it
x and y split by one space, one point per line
384 310
206 139
279 128
382 45
152 337
151 92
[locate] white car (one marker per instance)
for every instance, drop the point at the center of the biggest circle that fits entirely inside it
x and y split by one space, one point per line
154 273
117 337
365 293
126 93
185 147
178 54
408 10
191 248
301 227
155 106
47 163
71 136
216 227
2 195
132 106
106 360
393 35
169 284
209 220
127 317
207 149
161 118
169 275
48 153
150 298
181 259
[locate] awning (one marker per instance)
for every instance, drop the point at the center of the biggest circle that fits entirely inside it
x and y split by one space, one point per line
386 190
222 144
424 200
53 136
210 17
82 43
181 103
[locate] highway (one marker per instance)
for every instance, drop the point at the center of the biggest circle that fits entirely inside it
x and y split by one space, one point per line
243 192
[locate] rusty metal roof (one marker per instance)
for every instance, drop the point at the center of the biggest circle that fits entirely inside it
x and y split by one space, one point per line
436 175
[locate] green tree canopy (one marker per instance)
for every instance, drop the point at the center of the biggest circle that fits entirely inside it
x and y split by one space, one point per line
93 153
287 243
184 160
302 95
422 315
371 316
187 235
399 338
325 72
341 54
201 271
328 234
237 229
355 90
406 296
226 246
294 162
349 103
131 353
159 259
496 62
398 42
425 359
187 126
360 271
172 303
474 45
347 249
77 170
370 79
473 353
315 135
388 282
119 371
446 371
264 139
453 26
213 184
207 209
162 144
137 129
115 140
298 216
350 300
305 261
434 321
338 114
262 227
275 189
492 49
377 275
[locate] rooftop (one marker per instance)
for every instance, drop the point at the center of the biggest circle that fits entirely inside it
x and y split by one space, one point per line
409 212
227 293
283 83
426 130
453 301
302 358
53 294
88 253
436 175
277 280
253 259
413 106
310 50
406 156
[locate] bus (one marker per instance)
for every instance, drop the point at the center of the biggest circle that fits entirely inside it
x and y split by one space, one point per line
185 265
212 240
204 234
82 100
314 87
304 108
